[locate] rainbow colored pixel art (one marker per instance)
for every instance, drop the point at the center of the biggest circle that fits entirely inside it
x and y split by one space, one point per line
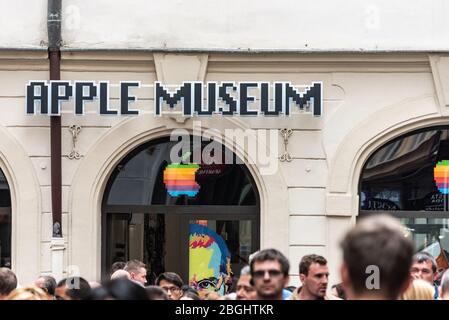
179 179
209 260
441 176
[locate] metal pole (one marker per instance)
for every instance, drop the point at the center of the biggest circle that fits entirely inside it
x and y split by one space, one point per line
54 43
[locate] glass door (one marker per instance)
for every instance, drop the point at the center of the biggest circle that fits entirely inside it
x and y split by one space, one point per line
152 238
152 202
206 250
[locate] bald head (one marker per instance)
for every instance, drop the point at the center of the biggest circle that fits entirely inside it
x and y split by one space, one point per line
120 274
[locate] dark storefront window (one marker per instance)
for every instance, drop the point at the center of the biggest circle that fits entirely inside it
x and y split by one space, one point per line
5 222
409 178
206 237
139 180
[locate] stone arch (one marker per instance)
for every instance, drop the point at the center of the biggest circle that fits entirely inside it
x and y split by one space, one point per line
25 207
94 171
367 137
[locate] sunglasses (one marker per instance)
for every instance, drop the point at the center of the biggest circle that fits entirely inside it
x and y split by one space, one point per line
272 273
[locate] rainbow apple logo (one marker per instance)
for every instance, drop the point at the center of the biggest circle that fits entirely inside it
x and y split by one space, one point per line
441 175
179 179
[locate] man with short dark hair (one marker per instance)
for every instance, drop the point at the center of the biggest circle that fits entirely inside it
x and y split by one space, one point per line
425 267
8 282
314 276
118 265
171 283
137 271
156 293
377 256
48 284
269 274
72 288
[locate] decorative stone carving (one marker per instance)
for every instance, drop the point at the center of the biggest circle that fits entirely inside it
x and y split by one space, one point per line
75 131
286 134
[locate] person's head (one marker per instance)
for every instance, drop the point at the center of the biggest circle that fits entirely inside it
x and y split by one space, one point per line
124 289
244 290
171 283
120 274
338 291
377 256
118 265
314 276
119 289
424 267
99 293
46 283
156 293
8 282
94 284
190 295
212 295
28 293
444 286
419 290
188 289
72 288
269 274
137 271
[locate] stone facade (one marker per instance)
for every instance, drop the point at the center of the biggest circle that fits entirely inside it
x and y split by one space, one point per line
306 206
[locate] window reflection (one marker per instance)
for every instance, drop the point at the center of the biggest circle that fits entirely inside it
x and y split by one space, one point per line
400 175
400 178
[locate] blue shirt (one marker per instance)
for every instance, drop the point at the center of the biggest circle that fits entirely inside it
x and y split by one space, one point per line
286 294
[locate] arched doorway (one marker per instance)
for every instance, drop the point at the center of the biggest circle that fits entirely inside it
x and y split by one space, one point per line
5 222
145 217
409 178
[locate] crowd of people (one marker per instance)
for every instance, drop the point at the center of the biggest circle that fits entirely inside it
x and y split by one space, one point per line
378 263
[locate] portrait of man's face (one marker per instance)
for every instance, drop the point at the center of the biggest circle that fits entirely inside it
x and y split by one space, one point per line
209 260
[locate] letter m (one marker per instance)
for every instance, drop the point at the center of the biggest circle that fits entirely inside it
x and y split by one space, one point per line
312 94
182 94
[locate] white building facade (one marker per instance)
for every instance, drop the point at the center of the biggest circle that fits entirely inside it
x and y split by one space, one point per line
383 77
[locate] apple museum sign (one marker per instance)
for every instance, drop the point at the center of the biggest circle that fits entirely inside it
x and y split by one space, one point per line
225 98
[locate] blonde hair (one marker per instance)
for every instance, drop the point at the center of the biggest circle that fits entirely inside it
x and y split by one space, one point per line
27 293
419 290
